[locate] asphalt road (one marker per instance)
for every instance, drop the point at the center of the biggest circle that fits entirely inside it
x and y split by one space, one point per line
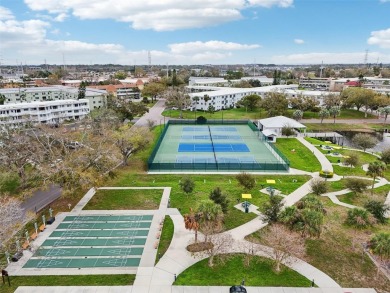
42 198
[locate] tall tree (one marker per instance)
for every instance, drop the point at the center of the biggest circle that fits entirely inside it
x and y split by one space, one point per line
211 217
129 141
375 169
364 141
192 222
275 103
385 112
285 245
324 113
153 90
177 98
219 198
250 102
334 112
82 90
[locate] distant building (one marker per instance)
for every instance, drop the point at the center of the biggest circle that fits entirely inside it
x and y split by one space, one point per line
122 91
96 98
315 83
53 112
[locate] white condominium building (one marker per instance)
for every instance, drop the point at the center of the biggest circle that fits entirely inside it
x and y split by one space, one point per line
96 97
53 112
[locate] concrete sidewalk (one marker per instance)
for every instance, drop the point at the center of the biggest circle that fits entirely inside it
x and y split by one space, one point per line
325 164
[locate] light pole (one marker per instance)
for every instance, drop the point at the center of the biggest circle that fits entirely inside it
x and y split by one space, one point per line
222 113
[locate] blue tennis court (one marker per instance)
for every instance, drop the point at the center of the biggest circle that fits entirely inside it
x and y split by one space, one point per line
234 146
210 147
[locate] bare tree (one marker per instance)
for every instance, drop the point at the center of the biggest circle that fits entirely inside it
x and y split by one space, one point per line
221 246
11 217
131 140
177 98
284 244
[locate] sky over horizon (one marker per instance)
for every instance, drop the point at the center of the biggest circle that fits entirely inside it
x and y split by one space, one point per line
194 32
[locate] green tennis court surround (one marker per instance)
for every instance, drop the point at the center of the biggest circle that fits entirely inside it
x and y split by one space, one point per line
216 146
94 241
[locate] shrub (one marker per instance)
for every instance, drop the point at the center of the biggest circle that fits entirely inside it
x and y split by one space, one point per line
219 198
378 210
319 186
356 185
380 245
326 174
386 156
359 218
201 120
272 208
187 185
246 180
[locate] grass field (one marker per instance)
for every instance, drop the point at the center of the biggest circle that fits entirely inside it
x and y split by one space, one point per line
242 113
125 199
165 238
71 280
301 158
258 273
330 126
204 184
359 200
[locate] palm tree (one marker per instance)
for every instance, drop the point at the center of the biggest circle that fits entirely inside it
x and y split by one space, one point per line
380 245
375 169
191 222
206 98
211 216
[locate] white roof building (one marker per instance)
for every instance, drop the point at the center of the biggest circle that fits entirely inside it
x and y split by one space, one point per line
273 126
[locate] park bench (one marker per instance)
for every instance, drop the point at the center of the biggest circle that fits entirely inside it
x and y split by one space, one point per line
42 227
25 245
34 236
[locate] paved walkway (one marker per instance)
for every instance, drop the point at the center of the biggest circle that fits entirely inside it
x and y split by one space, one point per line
325 164
159 278
154 115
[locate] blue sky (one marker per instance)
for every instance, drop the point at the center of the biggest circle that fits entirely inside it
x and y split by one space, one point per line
194 32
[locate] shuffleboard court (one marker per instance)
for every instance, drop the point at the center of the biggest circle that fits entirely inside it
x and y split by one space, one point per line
105 225
107 218
82 263
99 233
94 241
55 252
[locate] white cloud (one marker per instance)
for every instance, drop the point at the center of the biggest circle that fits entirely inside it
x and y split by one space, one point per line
299 41
198 46
270 3
380 38
5 13
384 1
60 17
157 15
331 58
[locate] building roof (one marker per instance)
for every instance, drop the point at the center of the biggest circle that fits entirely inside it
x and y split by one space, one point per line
269 132
353 83
280 121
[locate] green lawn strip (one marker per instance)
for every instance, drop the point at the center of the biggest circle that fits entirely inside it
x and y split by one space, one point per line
235 114
233 271
379 193
204 184
242 113
67 280
165 238
328 125
301 158
125 199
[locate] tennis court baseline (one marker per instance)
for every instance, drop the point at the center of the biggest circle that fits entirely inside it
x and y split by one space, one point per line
216 147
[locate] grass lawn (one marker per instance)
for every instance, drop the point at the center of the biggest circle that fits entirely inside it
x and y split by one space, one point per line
379 193
338 252
125 199
166 237
241 113
204 184
328 125
73 280
258 273
302 158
